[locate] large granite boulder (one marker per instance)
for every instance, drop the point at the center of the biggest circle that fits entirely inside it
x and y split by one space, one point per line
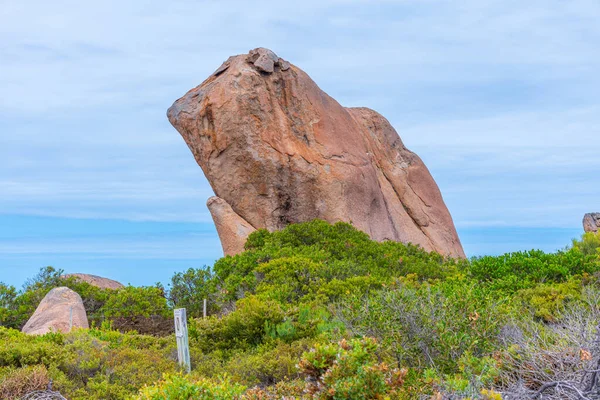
53 314
94 280
591 222
278 150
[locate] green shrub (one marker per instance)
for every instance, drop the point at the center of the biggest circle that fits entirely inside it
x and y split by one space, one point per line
521 270
473 379
349 370
464 329
134 301
16 307
189 289
589 244
84 366
428 326
268 364
177 387
141 309
294 263
9 315
242 328
547 300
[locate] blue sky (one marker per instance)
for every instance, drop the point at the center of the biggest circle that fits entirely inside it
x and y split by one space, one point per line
499 98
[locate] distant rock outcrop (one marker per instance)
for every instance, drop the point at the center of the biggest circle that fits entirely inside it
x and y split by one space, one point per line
277 150
591 222
53 314
98 281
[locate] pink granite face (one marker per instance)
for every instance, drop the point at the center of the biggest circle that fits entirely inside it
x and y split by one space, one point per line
276 150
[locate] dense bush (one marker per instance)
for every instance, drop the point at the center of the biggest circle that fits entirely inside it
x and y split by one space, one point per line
346 370
589 244
290 318
547 300
176 387
143 309
88 364
302 258
350 370
243 328
429 326
524 269
189 289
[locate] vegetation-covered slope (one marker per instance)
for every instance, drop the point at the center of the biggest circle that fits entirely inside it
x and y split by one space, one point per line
321 311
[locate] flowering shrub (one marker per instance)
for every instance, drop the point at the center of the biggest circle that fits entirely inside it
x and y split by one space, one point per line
349 370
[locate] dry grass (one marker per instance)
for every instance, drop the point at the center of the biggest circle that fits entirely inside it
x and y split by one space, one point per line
15 383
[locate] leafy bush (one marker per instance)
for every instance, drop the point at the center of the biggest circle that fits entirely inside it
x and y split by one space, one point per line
350 370
189 289
134 301
84 365
428 326
474 378
589 244
17 306
547 300
9 315
177 387
140 309
296 261
480 329
521 270
243 328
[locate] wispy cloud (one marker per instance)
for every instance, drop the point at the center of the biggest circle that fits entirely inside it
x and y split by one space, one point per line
499 97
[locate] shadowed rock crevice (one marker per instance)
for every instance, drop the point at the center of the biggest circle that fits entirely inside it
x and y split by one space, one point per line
277 150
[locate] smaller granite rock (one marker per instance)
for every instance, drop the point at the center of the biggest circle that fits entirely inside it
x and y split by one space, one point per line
265 60
54 312
591 222
284 65
233 230
98 281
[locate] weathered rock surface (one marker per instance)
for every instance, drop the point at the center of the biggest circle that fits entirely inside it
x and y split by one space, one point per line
233 230
277 150
53 313
591 222
98 281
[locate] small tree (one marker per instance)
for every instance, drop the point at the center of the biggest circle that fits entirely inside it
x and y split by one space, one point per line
190 288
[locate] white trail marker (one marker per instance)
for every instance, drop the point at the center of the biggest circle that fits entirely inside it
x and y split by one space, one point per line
181 334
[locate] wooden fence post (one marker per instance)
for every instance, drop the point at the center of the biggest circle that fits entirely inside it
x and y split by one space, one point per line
181 334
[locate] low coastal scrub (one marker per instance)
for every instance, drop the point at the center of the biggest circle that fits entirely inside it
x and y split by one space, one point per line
144 309
320 311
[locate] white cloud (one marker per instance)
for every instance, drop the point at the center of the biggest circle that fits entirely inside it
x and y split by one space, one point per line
499 97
